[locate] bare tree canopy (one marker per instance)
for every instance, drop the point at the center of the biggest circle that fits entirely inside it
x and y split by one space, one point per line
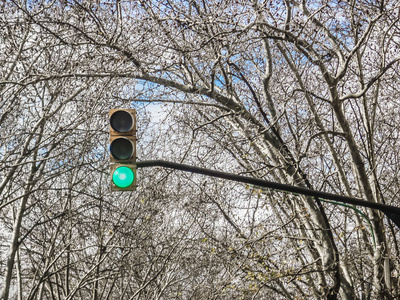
298 92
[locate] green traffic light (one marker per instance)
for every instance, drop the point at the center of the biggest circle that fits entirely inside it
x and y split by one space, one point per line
123 177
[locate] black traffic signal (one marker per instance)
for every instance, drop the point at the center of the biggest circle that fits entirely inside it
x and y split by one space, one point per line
123 149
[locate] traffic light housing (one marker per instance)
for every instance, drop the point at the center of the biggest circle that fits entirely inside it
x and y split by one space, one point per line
123 149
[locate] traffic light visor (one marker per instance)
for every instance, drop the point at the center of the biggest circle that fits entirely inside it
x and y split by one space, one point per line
122 148
123 177
122 121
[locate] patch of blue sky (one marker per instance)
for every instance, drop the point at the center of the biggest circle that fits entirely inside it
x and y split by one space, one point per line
2 152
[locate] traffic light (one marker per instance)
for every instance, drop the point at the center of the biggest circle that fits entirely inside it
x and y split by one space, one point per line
123 149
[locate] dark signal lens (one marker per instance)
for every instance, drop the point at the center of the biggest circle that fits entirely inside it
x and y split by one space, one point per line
121 121
122 149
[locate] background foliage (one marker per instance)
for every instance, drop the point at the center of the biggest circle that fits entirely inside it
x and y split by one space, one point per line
293 91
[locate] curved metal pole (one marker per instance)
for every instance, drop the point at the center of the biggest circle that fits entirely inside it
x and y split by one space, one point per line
392 212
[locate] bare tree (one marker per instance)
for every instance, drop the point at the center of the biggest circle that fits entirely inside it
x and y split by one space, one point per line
298 92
